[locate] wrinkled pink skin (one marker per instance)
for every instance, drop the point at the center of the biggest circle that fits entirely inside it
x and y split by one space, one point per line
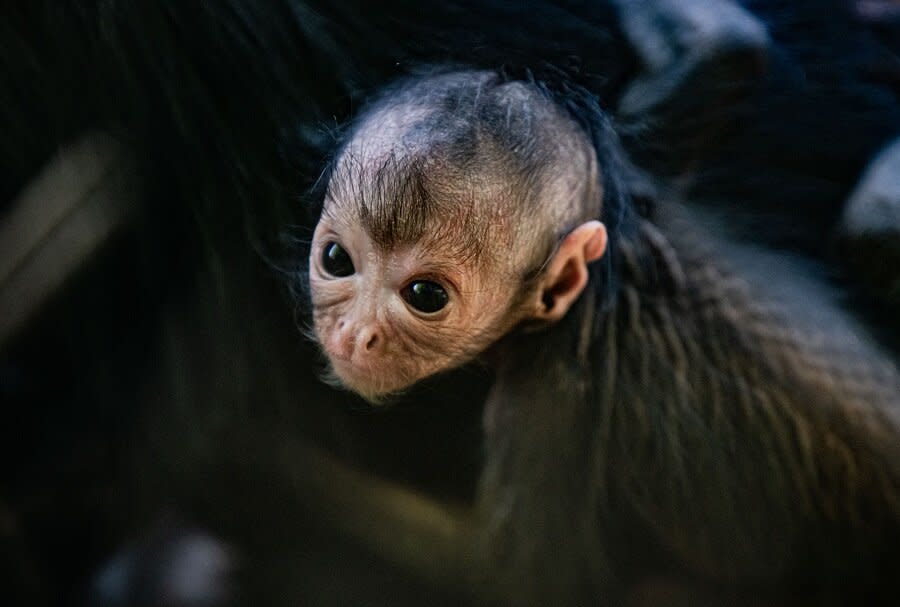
376 342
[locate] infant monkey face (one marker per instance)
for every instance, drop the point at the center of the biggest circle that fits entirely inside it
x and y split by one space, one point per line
389 318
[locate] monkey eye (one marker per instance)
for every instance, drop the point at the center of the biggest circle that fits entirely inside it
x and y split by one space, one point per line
336 261
425 296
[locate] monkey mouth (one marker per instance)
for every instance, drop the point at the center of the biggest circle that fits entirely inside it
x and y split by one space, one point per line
367 383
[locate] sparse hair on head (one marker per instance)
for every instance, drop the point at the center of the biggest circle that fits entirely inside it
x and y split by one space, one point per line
467 149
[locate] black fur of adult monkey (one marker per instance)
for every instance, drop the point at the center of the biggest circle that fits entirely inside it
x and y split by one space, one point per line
684 414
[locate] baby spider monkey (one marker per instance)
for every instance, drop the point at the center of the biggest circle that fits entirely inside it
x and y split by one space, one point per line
459 209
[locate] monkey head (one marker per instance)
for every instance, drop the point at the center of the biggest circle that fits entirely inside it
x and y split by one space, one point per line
459 207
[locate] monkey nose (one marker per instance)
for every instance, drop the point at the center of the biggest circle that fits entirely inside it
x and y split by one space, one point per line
368 341
354 343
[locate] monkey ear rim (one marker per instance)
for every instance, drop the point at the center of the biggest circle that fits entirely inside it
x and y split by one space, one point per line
596 240
567 274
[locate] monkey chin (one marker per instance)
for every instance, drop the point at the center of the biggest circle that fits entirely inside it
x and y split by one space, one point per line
367 386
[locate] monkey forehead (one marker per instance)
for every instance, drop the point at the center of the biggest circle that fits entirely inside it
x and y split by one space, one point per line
454 231
406 183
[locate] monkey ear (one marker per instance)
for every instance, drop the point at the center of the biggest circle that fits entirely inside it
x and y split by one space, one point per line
567 274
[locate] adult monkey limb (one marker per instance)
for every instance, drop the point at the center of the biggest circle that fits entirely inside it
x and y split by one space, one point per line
698 423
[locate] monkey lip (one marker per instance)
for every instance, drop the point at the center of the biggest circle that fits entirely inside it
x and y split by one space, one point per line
367 382
352 375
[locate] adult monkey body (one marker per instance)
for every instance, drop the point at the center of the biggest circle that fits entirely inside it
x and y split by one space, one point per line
698 424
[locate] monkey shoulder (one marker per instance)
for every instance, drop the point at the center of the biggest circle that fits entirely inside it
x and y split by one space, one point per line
751 423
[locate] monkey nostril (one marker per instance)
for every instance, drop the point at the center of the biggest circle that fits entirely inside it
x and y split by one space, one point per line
372 341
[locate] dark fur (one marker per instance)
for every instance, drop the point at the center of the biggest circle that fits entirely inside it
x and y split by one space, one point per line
721 435
230 108
731 425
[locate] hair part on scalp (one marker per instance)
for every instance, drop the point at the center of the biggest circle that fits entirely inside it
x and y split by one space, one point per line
402 199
